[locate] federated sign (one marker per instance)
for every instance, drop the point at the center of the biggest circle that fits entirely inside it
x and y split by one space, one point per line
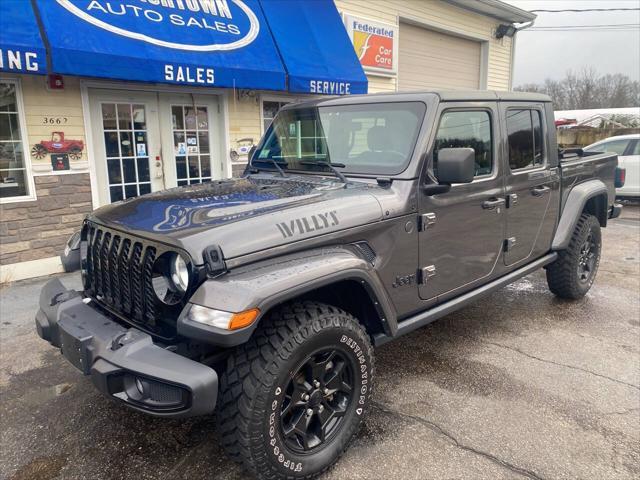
375 43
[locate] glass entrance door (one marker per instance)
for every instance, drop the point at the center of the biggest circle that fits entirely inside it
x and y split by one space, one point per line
147 141
192 139
126 144
191 143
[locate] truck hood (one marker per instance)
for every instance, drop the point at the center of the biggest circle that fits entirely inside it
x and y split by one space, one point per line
244 215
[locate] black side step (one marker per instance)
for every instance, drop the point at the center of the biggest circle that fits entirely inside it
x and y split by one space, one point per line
424 318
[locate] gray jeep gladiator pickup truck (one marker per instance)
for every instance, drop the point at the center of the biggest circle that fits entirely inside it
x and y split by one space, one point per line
358 219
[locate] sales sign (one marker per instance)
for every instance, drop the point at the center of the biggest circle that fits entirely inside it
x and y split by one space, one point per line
375 43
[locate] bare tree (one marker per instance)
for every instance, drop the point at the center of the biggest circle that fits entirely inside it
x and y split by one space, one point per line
556 91
586 89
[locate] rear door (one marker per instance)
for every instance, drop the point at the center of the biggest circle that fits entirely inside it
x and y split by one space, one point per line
463 229
531 183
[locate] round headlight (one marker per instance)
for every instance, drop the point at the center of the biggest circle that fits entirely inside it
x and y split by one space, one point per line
170 277
179 273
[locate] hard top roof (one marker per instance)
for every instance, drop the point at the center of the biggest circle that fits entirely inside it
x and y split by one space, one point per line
436 95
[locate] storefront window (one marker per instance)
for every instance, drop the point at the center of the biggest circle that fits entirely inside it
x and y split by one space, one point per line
14 176
269 110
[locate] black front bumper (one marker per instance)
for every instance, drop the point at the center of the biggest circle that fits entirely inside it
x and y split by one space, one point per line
124 363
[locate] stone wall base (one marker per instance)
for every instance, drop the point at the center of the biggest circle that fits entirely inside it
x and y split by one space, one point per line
40 229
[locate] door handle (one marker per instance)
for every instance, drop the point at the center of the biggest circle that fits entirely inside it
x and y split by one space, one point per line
539 191
493 203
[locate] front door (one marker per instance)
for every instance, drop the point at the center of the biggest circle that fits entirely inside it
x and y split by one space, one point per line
462 230
530 183
126 142
192 141
145 141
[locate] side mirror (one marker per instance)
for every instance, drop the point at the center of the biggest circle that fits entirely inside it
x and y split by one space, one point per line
456 165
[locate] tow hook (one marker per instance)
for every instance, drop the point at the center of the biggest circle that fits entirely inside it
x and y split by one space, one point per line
63 297
122 339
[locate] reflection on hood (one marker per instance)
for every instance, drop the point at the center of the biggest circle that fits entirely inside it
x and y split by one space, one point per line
212 203
218 209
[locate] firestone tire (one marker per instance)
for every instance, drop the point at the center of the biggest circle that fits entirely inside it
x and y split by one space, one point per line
263 418
573 273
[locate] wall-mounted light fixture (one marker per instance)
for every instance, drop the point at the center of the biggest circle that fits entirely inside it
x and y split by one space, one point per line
505 30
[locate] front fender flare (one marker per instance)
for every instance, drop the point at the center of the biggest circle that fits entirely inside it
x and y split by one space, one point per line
271 282
573 208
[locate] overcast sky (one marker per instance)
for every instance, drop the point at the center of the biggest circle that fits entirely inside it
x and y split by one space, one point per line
549 54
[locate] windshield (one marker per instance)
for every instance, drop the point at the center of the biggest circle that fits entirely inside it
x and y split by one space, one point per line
374 138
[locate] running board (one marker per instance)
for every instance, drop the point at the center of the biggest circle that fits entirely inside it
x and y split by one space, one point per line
424 318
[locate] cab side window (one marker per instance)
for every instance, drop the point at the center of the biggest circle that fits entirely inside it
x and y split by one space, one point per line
470 129
526 146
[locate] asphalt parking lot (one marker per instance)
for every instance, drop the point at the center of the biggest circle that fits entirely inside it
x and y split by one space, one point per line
518 385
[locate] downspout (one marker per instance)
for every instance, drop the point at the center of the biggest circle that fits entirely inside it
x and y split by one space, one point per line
513 51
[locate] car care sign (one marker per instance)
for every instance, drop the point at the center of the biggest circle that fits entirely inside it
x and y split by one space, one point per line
376 44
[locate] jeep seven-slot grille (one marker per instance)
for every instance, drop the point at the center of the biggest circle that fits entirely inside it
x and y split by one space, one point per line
119 272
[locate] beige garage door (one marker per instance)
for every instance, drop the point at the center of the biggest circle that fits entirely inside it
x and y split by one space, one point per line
433 60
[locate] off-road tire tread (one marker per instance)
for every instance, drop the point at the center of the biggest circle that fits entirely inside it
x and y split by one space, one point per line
561 274
258 362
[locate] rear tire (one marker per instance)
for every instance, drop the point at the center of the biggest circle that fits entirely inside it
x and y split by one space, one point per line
574 271
294 396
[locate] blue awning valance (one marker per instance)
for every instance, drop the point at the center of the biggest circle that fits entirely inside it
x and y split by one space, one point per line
295 45
21 48
215 43
315 48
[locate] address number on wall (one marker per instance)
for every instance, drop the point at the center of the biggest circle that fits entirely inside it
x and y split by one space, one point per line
54 120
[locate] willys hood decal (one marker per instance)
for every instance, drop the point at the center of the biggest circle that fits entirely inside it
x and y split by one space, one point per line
244 215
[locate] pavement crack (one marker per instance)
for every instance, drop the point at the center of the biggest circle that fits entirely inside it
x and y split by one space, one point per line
453 440
572 367
191 452
623 412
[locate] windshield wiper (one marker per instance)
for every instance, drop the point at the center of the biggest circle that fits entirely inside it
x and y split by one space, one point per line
275 163
331 166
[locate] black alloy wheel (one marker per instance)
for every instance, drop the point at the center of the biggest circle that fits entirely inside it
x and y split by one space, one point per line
587 258
316 400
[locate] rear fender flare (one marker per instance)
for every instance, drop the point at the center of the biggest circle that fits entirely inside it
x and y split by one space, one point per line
573 208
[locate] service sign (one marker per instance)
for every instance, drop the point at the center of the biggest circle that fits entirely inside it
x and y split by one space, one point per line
375 43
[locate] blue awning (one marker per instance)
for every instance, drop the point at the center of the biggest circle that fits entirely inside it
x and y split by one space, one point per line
21 48
315 48
296 45
213 43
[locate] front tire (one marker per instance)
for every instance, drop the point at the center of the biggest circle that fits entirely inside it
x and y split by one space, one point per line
574 271
294 395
